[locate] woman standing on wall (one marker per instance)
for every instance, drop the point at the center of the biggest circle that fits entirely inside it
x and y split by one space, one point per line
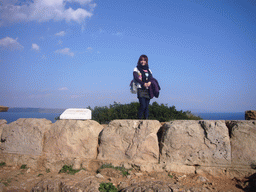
143 76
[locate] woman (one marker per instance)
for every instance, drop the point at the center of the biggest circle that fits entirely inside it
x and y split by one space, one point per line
143 75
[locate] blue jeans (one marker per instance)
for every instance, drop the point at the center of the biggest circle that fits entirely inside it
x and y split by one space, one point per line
144 103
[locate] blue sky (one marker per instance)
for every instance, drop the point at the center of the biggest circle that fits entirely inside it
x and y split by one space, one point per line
80 53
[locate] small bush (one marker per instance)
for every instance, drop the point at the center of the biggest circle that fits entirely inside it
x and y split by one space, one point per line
48 170
2 164
6 182
68 169
23 166
107 187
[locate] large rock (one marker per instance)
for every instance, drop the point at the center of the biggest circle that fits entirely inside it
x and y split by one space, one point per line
196 143
69 141
22 141
250 115
243 142
24 136
130 140
2 122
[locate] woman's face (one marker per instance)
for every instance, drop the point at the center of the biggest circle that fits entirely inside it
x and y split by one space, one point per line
143 61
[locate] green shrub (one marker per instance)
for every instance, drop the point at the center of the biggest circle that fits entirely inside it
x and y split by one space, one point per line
23 166
161 112
68 169
107 187
2 164
6 182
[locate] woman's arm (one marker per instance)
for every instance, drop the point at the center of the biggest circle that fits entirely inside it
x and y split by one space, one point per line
136 77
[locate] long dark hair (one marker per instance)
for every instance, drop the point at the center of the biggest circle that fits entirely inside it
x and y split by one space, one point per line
144 57
142 68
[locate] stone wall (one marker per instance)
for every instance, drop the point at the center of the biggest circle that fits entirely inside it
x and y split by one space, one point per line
214 147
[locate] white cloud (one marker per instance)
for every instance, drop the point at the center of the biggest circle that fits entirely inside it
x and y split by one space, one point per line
63 89
10 43
89 49
62 33
82 2
44 10
65 51
35 47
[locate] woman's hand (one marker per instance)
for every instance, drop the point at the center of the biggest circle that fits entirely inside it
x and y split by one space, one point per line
147 84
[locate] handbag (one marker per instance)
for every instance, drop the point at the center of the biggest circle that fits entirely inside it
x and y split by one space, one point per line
133 87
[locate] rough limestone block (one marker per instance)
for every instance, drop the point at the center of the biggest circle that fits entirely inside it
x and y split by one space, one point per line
71 140
243 142
130 140
192 142
24 136
2 122
179 168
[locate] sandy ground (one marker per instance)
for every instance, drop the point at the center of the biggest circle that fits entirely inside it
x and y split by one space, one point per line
17 179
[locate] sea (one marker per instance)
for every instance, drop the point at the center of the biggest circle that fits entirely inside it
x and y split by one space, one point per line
13 115
222 116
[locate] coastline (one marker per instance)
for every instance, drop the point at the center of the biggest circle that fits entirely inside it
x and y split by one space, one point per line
3 108
11 116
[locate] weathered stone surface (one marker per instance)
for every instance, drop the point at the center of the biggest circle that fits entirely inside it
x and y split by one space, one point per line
131 140
2 122
250 115
83 184
224 171
191 142
149 186
24 136
243 142
22 142
71 140
216 171
204 147
150 167
179 168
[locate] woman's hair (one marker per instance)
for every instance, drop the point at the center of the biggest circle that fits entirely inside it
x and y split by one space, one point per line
144 57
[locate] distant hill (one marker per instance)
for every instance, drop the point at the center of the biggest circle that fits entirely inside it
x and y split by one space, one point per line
3 108
35 110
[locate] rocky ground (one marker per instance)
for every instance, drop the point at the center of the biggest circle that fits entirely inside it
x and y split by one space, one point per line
25 179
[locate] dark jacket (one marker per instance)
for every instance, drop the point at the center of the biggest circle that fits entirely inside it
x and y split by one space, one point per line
154 88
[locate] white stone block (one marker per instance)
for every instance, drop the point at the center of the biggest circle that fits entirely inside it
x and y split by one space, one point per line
76 113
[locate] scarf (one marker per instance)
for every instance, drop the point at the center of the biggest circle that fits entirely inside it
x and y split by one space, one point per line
142 70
